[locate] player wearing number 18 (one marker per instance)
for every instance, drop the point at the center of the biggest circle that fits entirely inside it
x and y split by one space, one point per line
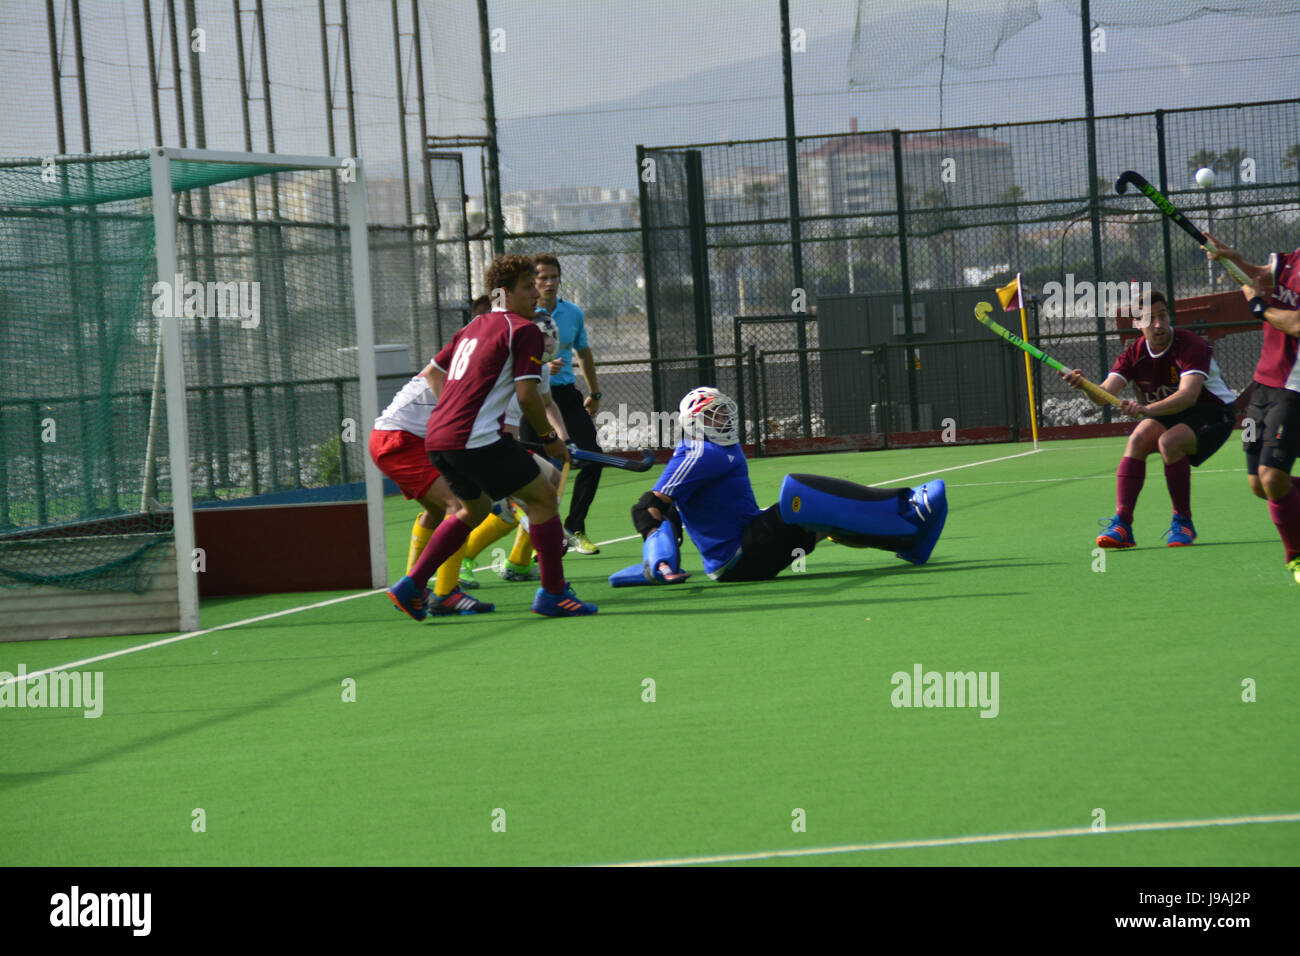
497 355
1186 411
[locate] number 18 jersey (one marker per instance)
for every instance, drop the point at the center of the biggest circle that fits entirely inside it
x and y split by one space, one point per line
482 363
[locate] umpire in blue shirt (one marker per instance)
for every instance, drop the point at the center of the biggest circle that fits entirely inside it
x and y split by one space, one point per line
578 413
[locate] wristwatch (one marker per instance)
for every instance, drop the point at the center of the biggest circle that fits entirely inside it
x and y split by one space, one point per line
549 437
596 395
1257 306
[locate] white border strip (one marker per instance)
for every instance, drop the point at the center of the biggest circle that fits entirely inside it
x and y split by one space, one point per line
968 840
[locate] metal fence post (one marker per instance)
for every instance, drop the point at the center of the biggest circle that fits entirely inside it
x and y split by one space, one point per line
752 355
1162 165
647 271
905 277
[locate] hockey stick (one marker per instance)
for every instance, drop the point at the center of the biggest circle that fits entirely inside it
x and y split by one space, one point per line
1098 393
1130 178
644 463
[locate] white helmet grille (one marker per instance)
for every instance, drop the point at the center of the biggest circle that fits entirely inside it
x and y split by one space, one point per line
707 414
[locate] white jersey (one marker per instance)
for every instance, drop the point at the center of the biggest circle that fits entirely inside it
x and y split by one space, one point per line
514 412
410 409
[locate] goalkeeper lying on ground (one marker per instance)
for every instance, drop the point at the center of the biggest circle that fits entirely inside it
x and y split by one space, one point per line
705 487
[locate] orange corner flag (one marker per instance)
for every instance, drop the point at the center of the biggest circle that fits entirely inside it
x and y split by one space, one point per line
1010 297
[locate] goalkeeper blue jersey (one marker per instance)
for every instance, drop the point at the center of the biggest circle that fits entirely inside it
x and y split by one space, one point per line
709 483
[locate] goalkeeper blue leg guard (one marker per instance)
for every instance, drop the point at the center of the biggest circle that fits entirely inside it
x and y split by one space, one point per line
907 521
661 562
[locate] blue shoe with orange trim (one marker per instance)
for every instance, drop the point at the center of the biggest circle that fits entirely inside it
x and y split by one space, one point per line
458 602
1118 534
561 605
1180 533
410 600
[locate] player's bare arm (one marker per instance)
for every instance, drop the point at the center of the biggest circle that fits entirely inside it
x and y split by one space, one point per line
554 416
1262 276
534 409
588 365
1284 320
1189 390
436 378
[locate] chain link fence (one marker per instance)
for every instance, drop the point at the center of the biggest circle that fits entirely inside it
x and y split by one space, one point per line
914 227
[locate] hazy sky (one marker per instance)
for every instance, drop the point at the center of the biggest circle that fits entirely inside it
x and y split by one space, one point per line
585 62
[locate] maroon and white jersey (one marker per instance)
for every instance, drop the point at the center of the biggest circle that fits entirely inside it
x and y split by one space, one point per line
482 363
1158 376
1277 359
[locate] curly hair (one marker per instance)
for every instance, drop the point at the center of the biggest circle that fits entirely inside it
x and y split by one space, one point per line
505 272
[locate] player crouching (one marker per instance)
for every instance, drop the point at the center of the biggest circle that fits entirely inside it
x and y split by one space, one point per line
705 489
1187 415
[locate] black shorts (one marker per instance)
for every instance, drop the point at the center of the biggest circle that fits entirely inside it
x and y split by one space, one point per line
499 469
1210 423
1275 413
767 546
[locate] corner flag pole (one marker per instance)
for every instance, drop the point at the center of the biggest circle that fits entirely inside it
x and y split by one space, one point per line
1013 292
1029 366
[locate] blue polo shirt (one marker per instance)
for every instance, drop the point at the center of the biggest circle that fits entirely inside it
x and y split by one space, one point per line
709 483
573 335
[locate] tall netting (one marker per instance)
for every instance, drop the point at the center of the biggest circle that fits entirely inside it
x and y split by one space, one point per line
268 337
978 205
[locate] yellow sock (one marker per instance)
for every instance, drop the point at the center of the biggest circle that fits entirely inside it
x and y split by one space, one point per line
420 536
448 574
522 552
493 528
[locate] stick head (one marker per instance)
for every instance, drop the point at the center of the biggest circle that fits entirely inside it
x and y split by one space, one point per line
982 310
1126 179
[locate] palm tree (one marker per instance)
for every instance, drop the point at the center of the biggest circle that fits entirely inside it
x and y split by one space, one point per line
935 224
1204 159
1291 159
1013 196
758 193
1231 160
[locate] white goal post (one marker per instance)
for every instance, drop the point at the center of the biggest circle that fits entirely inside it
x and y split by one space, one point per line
351 176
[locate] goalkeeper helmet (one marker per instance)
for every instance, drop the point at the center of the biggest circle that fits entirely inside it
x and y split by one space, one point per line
708 415
551 333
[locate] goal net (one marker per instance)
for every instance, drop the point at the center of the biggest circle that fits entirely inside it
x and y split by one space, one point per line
181 305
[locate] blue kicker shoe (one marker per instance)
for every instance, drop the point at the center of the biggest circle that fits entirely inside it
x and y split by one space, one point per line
929 504
409 599
1118 534
561 605
1180 533
458 602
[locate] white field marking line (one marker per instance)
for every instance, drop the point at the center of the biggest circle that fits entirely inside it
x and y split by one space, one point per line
987 461
185 637
967 840
1107 476
221 627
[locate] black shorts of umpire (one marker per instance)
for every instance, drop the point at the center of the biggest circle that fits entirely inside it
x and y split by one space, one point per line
582 430
767 547
1275 432
499 469
1211 424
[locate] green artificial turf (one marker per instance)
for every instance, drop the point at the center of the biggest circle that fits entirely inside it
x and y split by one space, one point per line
1119 690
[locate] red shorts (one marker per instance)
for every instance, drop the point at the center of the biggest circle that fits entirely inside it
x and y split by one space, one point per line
401 456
